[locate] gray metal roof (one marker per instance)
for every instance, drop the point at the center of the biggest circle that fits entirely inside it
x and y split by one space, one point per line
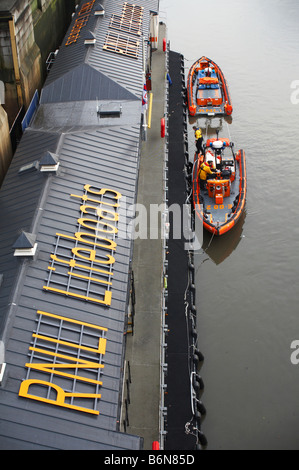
19 197
40 324
84 83
102 158
105 71
83 115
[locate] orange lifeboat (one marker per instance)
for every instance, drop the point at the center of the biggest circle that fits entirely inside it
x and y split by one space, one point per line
207 90
219 201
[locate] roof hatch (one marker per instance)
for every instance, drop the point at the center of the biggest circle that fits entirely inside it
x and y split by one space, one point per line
90 38
25 245
99 10
110 110
49 162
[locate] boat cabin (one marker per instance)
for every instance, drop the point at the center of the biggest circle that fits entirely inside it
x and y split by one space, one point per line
224 163
208 87
218 189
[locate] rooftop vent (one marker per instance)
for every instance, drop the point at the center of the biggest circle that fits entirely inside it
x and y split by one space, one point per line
25 245
110 110
89 38
99 10
49 162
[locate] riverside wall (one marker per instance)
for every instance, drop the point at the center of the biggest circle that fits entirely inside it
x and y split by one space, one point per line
29 31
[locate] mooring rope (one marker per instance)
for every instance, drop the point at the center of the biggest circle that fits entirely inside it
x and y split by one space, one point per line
211 239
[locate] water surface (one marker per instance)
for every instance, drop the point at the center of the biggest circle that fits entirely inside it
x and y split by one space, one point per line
247 281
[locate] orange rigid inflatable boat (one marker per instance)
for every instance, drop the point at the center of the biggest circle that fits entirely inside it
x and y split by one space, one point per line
207 90
220 201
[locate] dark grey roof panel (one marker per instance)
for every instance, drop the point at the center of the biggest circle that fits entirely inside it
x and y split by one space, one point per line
19 196
102 152
125 71
82 115
84 83
102 157
122 69
69 57
18 425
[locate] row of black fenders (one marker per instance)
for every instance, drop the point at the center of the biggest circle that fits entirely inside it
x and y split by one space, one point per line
185 409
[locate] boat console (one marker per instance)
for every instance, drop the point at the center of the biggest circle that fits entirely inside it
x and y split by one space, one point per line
218 189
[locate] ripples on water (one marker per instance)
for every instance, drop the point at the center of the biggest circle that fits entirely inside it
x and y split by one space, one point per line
247 281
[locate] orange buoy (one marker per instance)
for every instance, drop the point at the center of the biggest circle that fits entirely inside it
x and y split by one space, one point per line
162 127
155 445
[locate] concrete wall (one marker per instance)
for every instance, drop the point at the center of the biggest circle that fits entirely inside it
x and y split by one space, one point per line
40 26
56 18
5 144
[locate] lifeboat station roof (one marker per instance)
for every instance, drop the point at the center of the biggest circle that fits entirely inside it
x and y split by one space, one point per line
65 252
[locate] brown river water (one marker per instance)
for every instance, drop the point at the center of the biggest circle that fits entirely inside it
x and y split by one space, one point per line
247 281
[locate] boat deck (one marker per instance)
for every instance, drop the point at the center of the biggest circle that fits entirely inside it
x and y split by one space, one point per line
207 91
221 212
